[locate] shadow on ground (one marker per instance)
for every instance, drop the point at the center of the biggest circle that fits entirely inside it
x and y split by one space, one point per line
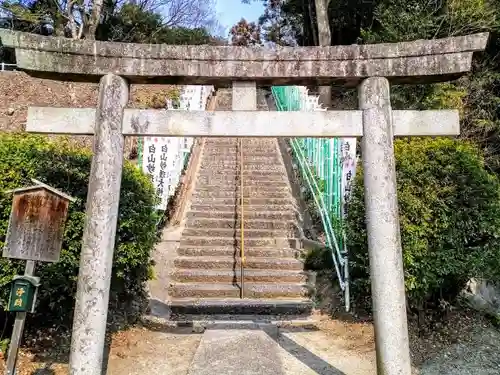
46 370
311 360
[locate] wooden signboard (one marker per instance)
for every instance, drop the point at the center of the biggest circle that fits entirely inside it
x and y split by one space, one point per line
36 225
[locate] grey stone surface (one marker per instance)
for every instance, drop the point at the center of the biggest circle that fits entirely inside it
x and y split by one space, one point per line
279 222
237 352
67 59
212 262
230 241
468 43
228 275
241 123
382 225
433 123
163 256
483 296
228 251
200 123
89 323
250 348
167 351
244 97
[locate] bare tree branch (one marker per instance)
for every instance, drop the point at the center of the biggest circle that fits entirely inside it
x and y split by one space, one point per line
83 17
95 18
182 13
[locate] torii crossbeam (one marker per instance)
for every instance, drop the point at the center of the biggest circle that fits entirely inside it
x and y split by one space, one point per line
161 123
370 67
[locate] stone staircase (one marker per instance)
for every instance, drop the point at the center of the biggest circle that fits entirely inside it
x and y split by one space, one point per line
207 277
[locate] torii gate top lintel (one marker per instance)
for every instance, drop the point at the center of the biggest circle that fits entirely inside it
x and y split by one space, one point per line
87 60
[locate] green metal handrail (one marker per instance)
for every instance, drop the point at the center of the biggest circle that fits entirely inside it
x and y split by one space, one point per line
320 166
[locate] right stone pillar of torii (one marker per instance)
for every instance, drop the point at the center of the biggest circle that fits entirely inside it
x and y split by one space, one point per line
369 67
382 228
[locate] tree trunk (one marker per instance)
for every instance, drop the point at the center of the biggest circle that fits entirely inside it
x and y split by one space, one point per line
95 19
310 27
325 39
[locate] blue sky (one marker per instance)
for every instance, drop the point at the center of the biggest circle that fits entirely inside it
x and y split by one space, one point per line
231 11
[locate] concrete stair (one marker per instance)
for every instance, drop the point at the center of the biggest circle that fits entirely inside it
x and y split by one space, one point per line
223 180
249 223
231 290
229 232
215 171
250 185
254 192
235 306
231 241
229 276
232 201
230 251
249 215
207 277
249 209
228 262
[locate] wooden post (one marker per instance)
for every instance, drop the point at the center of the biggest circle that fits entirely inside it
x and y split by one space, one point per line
35 231
17 332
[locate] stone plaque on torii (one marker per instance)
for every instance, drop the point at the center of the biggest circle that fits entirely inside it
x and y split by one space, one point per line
370 67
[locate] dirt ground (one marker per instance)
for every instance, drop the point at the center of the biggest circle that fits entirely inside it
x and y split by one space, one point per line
155 349
144 349
465 345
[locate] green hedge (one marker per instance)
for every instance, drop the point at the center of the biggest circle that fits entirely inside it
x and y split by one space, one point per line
67 168
449 211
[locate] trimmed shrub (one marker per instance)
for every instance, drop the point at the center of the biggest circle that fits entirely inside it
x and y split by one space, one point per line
449 211
66 167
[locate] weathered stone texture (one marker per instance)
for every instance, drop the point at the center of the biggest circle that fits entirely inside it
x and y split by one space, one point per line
96 261
87 60
468 43
382 227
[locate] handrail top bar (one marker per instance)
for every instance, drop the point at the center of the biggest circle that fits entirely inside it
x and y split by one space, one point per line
88 60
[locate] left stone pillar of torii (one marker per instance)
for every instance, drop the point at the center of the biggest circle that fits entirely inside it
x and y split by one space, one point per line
96 260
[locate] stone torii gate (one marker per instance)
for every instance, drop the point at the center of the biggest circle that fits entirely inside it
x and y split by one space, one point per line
370 67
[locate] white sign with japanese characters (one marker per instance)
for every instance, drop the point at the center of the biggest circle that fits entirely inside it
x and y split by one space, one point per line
163 158
349 161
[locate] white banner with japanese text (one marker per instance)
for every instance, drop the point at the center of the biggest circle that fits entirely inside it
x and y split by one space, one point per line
163 158
349 161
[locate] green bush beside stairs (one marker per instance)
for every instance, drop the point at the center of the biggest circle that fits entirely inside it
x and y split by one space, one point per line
67 167
449 209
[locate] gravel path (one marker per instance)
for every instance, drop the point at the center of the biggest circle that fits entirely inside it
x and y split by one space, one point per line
478 356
